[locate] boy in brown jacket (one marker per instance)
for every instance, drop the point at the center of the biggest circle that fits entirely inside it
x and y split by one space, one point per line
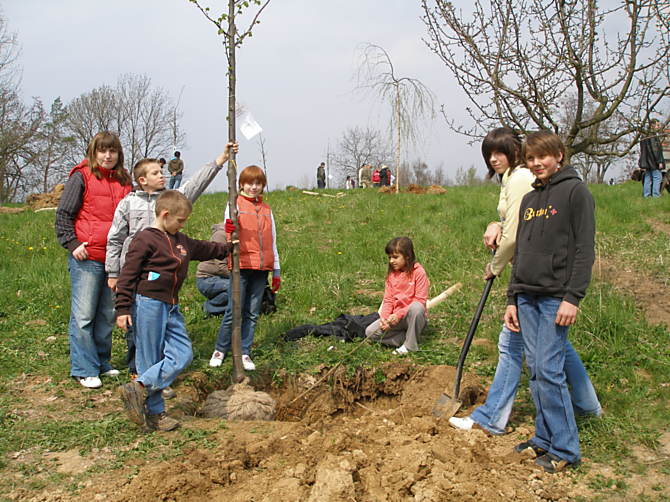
155 268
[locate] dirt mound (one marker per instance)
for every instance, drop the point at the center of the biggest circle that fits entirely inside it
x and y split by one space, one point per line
11 210
43 200
413 188
369 436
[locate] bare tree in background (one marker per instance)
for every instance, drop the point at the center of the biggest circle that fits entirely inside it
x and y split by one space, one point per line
19 124
261 146
359 146
145 118
232 39
53 148
516 60
411 101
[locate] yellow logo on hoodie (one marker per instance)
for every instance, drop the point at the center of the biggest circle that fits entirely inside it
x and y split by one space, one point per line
531 213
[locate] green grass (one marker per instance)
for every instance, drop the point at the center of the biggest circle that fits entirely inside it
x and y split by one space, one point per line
332 256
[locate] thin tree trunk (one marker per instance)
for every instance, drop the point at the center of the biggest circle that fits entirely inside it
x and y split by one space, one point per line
397 146
238 369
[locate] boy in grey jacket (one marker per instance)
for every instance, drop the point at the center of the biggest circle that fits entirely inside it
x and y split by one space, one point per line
136 212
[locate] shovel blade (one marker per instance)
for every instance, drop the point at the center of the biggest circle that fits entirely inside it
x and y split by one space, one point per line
446 406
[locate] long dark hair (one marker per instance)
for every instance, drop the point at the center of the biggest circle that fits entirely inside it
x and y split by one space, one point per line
504 140
103 141
404 247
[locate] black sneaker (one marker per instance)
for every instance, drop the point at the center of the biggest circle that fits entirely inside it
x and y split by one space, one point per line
552 464
528 444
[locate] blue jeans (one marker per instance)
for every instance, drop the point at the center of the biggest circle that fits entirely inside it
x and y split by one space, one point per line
651 183
175 181
494 414
215 289
163 347
545 345
252 285
91 318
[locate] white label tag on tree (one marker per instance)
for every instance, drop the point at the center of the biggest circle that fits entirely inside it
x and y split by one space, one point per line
249 127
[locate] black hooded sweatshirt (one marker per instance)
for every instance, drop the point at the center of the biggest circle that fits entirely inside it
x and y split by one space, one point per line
555 240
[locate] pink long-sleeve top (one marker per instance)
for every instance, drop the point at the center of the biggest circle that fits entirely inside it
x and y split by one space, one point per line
402 289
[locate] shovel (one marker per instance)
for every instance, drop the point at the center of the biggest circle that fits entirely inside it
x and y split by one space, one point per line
446 406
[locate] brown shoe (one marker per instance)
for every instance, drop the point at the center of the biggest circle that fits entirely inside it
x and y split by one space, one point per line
134 397
161 422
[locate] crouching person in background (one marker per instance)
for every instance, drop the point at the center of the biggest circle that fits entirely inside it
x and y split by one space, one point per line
211 278
155 268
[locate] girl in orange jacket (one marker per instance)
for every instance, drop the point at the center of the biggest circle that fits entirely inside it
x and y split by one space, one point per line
403 313
258 255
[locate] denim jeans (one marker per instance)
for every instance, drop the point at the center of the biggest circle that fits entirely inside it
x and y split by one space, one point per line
651 183
252 285
494 414
175 181
163 347
91 318
215 289
545 346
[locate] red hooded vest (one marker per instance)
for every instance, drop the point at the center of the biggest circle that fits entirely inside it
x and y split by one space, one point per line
101 196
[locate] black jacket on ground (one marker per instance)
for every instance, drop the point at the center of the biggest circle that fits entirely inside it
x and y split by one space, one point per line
346 327
554 249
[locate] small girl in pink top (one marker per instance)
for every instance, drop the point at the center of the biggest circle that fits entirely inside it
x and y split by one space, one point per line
403 312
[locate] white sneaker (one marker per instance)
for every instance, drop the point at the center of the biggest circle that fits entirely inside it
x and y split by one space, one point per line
217 359
464 424
248 363
90 382
111 373
401 351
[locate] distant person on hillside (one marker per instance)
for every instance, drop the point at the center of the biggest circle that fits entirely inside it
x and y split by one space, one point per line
83 218
376 178
176 168
155 268
212 277
136 212
553 258
384 176
349 183
258 256
403 313
364 176
501 150
652 161
321 175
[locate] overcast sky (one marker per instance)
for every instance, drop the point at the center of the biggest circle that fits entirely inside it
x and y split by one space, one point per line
295 75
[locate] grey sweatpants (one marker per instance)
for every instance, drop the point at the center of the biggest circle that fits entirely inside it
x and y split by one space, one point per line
406 332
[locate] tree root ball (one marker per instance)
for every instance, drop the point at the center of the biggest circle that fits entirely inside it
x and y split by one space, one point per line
239 402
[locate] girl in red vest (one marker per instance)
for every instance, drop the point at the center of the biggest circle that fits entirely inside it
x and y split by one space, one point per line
258 255
83 218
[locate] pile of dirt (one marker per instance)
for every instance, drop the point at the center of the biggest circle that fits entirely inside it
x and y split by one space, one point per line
367 437
11 210
45 200
416 189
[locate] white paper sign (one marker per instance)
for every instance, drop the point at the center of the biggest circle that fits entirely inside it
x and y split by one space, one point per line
249 127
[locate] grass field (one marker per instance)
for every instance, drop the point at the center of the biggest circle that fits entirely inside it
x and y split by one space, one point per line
332 257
